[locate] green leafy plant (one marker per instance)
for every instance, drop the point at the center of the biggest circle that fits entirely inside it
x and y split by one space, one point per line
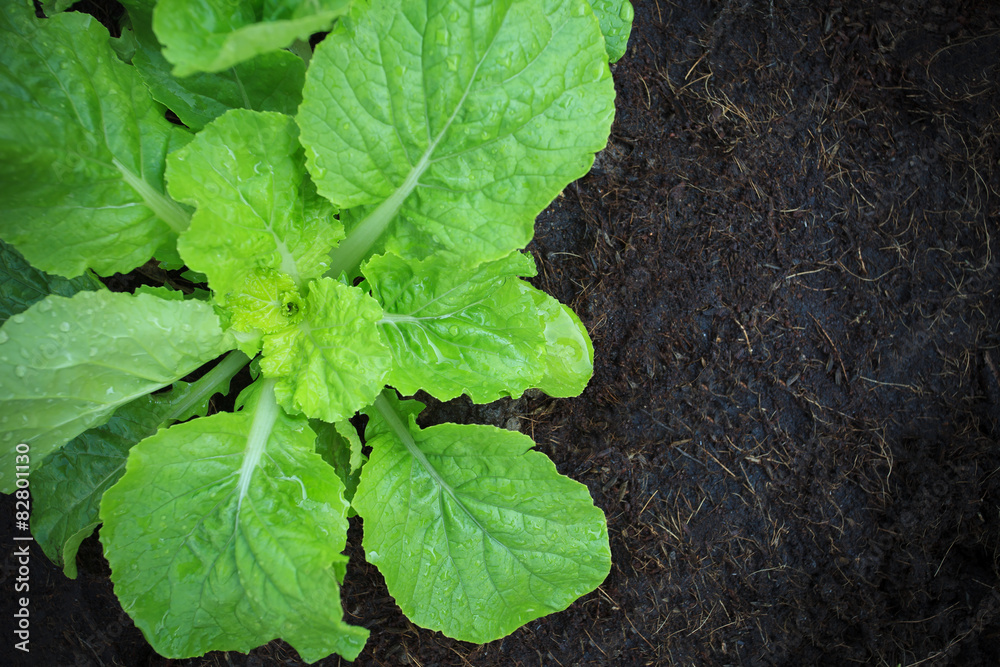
359 215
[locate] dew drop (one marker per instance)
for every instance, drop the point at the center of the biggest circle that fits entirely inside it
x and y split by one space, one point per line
4 337
598 72
453 330
44 306
18 319
64 327
452 62
20 371
93 352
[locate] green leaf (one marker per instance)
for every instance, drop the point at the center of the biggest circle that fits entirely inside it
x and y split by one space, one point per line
456 331
615 17
51 7
333 362
82 149
340 446
67 488
474 533
244 172
160 292
267 302
213 35
66 364
125 45
22 285
268 82
455 123
569 353
232 526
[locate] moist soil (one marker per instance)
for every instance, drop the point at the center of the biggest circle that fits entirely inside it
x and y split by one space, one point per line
786 260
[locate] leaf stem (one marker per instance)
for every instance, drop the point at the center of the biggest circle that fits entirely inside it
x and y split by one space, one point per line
393 420
346 257
206 385
165 208
264 416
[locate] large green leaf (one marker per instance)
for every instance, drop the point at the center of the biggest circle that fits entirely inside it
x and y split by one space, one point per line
213 35
334 361
615 17
226 532
67 488
474 533
455 122
245 173
66 364
22 285
82 148
456 331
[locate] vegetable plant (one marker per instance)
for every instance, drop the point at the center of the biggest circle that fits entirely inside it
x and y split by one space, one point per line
348 221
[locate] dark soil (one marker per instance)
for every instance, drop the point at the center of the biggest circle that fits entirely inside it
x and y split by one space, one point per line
787 259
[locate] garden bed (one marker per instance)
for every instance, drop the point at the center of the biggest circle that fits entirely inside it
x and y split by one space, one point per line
787 260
